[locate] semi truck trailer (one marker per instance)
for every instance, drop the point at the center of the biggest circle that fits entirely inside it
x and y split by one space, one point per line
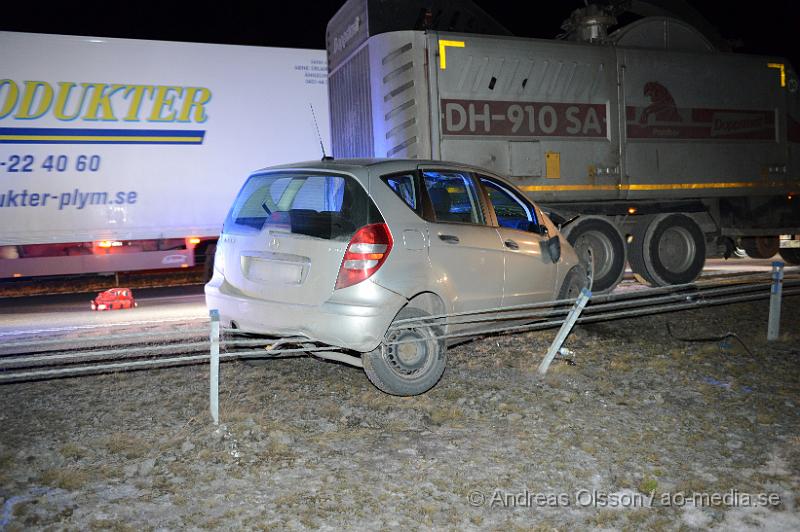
651 145
120 155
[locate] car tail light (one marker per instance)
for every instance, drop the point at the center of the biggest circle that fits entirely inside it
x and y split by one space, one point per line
366 253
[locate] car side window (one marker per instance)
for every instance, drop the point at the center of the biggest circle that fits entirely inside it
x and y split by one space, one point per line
512 211
453 196
405 187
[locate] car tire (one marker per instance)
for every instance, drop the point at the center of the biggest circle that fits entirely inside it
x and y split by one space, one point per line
409 368
608 250
574 282
790 255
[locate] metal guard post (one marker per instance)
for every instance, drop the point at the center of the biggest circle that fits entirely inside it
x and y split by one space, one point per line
774 324
565 329
214 370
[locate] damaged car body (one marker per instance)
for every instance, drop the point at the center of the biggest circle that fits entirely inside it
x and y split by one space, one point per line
330 254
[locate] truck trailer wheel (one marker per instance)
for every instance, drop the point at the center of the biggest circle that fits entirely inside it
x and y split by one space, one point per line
208 263
761 247
607 250
671 249
790 255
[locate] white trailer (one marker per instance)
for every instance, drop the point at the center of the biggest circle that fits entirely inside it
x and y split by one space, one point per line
120 155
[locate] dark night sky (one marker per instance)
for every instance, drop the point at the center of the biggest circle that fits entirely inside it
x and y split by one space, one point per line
768 27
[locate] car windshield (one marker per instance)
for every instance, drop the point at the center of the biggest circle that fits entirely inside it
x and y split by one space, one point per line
319 205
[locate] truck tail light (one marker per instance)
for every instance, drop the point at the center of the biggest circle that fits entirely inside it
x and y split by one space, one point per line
366 253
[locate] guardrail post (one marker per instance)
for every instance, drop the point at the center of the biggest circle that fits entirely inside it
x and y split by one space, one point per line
566 327
213 373
774 327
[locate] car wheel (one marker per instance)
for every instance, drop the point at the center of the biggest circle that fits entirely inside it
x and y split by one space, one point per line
408 367
574 282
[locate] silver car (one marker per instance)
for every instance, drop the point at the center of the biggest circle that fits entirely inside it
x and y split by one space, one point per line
333 252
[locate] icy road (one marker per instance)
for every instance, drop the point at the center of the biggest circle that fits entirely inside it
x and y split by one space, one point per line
63 313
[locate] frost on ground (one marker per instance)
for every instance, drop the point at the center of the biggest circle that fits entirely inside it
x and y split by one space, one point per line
641 433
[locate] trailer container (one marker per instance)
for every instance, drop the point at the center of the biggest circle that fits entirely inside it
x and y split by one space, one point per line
665 148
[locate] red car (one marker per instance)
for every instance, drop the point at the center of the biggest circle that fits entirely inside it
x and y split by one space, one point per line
114 299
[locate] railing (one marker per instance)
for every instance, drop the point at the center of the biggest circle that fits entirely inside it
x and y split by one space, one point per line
70 357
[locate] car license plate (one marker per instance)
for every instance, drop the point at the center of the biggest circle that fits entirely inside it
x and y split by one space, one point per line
271 271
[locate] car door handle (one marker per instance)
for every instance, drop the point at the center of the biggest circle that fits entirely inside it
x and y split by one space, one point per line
450 239
510 244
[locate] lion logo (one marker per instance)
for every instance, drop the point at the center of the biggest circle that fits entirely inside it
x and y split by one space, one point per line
662 105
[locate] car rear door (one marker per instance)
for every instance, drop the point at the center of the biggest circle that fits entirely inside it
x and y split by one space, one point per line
465 252
530 276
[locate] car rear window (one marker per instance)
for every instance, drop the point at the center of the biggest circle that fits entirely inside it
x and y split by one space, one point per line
320 205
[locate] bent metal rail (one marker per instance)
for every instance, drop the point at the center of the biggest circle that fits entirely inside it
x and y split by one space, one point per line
48 359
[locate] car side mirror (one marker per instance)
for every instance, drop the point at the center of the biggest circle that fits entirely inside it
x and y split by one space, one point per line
539 229
551 249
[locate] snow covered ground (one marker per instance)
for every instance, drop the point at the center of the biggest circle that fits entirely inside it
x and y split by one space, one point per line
643 432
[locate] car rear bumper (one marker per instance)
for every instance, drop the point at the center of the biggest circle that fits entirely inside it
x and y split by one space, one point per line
342 324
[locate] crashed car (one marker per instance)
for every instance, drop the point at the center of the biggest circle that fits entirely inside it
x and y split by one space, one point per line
332 253
114 299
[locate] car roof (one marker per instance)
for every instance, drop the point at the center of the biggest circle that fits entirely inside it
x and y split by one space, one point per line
380 165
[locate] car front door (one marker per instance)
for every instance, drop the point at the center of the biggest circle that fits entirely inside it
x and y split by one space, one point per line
466 253
530 276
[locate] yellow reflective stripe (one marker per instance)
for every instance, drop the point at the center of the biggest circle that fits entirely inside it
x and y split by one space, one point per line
443 55
782 68
557 188
663 186
695 186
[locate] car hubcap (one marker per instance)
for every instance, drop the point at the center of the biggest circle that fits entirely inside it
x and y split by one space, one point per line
408 352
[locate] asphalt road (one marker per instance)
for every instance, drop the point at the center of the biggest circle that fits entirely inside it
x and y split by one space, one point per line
71 312
61 313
